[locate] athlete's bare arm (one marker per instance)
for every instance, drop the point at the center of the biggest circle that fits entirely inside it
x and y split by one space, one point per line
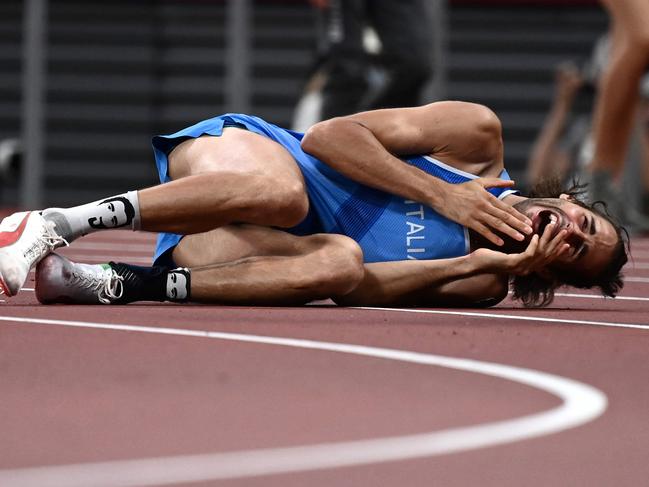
457 282
365 146
477 279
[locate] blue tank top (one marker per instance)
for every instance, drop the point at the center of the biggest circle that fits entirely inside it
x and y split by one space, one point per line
387 227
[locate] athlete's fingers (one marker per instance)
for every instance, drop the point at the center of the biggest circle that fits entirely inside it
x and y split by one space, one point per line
556 253
546 253
495 223
495 182
505 222
502 183
532 246
554 249
555 244
546 236
528 259
486 233
511 215
561 249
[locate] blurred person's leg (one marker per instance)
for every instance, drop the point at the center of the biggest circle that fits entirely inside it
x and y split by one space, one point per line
346 61
549 156
644 134
405 30
308 109
617 100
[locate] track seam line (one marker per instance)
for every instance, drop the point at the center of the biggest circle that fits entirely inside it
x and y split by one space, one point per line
508 317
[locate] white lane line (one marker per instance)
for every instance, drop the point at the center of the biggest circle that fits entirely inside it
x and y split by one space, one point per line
636 279
509 317
598 296
581 403
592 296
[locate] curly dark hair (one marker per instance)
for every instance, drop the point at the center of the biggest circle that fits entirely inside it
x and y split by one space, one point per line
536 291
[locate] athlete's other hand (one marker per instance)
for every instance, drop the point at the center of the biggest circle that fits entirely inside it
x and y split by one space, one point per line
471 205
540 252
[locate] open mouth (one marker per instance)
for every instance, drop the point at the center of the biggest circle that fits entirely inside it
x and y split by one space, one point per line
543 219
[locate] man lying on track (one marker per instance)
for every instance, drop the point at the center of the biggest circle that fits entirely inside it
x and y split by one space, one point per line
390 207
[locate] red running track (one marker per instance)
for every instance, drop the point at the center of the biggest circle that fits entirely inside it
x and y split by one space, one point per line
92 406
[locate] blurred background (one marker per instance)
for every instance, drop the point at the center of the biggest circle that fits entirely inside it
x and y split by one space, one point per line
84 84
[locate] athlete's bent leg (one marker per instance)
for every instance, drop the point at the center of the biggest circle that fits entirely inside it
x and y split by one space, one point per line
615 107
237 177
324 266
237 264
619 85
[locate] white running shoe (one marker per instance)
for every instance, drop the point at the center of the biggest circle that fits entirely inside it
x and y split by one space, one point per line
59 280
25 238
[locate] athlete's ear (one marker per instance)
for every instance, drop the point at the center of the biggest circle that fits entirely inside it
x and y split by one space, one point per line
567 197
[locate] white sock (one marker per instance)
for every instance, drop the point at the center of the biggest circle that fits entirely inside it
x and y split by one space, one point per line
118 211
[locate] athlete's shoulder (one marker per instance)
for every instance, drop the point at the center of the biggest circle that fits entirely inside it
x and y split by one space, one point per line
472 139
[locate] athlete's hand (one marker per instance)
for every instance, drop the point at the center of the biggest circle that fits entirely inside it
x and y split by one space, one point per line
540 252
471 205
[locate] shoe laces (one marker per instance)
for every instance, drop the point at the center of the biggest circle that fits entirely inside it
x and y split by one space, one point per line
46 242
51 239
108 284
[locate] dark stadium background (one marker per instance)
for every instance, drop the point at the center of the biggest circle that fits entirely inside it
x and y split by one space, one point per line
123 70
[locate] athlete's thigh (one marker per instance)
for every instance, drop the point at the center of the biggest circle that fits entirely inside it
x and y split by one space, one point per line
239 241
235 151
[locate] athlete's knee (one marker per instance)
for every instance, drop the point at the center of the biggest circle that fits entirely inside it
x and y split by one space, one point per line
346 265
266 200
288 204
340 268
